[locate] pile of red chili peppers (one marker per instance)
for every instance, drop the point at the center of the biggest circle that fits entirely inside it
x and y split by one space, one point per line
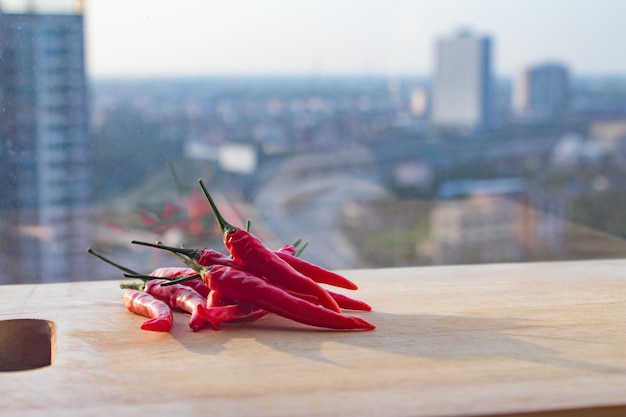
243 286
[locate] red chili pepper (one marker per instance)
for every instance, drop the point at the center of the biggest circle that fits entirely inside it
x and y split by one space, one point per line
139 302
165 272
233 313
245 287
199 286
350 303
180 272
290 249
210 257
324 276
213 310
315 272
183 297
179 297
217 300
172 272
249 251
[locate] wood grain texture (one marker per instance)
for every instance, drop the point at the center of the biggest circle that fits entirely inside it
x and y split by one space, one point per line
537 339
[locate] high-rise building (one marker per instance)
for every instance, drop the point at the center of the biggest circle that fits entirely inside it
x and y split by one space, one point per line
462 79
44 147
542 91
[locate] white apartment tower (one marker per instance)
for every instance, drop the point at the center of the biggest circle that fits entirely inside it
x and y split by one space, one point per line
461 84
542 91
44 148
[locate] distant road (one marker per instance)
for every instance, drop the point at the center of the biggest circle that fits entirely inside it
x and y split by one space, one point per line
303 196
309 207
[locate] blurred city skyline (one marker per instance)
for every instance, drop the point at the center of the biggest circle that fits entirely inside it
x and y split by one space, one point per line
308 154
323 38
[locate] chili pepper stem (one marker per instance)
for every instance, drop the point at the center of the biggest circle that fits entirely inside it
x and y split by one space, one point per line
171 281
181 280
300 250
185 251
110 262
224 225
144 277
138 287
186 259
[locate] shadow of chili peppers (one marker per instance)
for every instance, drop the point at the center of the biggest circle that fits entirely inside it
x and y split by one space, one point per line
434 337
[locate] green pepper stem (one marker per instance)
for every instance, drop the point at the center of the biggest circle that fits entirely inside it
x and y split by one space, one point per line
144 277
300 250
224 225
180 280
186 256
122 268
171 281
139 287
192 253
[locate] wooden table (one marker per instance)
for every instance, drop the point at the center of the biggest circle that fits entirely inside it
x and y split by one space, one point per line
540 339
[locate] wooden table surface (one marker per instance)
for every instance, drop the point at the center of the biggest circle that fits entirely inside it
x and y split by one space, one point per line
530 339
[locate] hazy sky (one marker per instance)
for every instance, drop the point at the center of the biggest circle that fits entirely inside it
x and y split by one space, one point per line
362 37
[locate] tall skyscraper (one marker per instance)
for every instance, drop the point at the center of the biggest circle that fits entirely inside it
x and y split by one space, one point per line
542 91
44 148
461 89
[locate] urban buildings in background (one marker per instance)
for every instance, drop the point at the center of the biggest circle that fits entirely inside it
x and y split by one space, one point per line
462 80
493 220
249 129
46 188
542 92
294 139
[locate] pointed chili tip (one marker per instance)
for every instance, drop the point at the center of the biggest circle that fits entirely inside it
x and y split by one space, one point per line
366 325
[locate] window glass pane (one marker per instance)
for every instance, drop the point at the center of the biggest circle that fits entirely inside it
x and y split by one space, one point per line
382 134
